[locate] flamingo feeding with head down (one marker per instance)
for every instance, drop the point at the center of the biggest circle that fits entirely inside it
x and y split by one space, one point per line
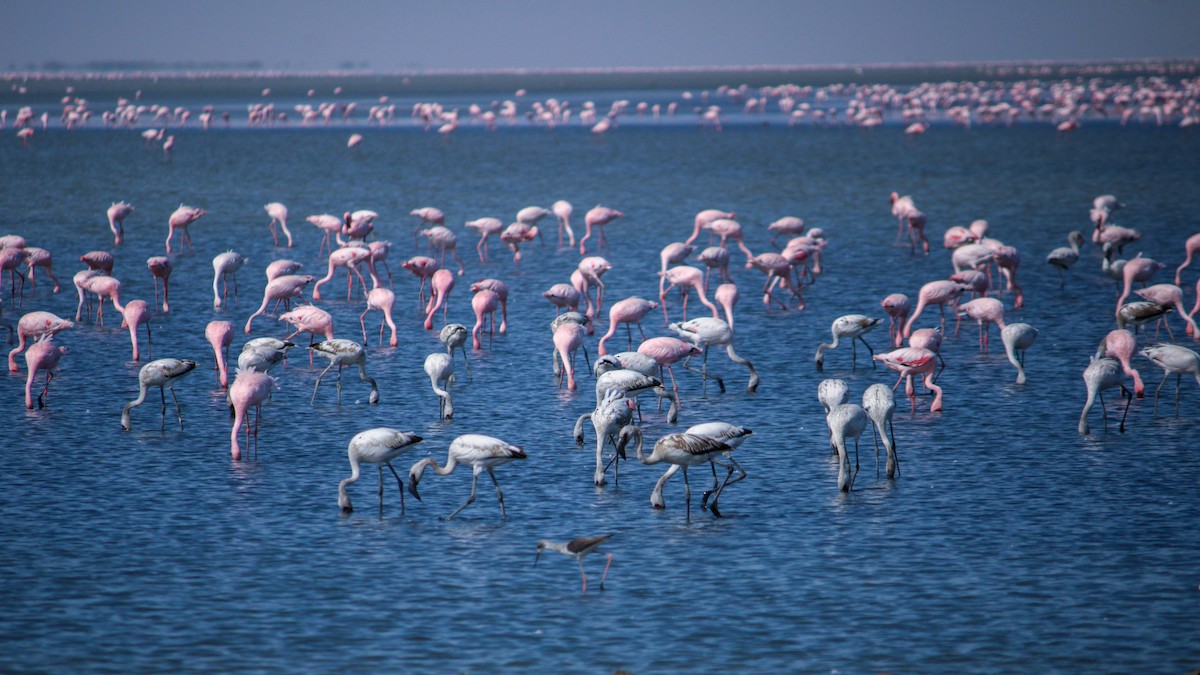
180 220
342 353
117 213
852 326
481 453
163 373
378 446
706 332
248 390
226 265
1102 373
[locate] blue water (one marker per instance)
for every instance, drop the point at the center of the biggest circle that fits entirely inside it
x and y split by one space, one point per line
1008 542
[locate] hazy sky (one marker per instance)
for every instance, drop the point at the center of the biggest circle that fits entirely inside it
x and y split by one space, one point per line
390 35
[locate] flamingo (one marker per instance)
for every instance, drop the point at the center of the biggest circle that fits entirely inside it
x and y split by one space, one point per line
1121 345
516 234
1169 294
160 269
565 296
1063 257
134 314
628 311
220 335
104 287
441 240
703 218
117 213
485 227
279 214
342 353
727 296
727 228
940 293
379 255
80 280
1140 312
485 302
847 420
568 337
501 290
715 257
378 446
779 272
610 419
349 258
733 436
281 267
263 354
39 257
454 336
42 355
680 451
916 231
852 326
880 405
357 226
562 210
667 351
283 288
578 549
1018 337
1103 373
481 453
423 267
985 311
790 226
226 265
901 207
10 259
674 254
380 299
328 225
164 374
688 279
1174 360
439 366
910 361
439 290
591 269
896 306
180 220
309 319
249 389
1191 248
32 327
101 261
596 218
706 332
1137 269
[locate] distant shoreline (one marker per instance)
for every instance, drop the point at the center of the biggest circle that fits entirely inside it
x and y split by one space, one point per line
353 83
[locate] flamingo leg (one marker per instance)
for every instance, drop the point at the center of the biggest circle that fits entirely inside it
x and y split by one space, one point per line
606 566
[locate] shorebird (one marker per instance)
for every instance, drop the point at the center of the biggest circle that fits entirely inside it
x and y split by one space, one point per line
481 453
342 353
852 326
163 373
378 446
578 549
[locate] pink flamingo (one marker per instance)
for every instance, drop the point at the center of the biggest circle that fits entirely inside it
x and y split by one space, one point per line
703 218
940 293
1008 259
1137 269
104 287
116 220
180 220
726 229
688 279
39 257
896 306
136 313
563 296
440 286
501 290
379 254
596 218
279 268
349 258
910 361
667 351
80 280
249 389
42 355
727 297
530 215
101 261
328 225
568 338
484 302
168 145
160 268
715 257
916 231
985 311
32 327
779 272
562 210
592 268
226 265
282 288
279 214
516 234
957 236
485 227
1169 294
901 207
309 319
380 299
423 267
628 311
1191 247
674 254
358 226
931 339
10 260
428 215
220 335
790 226
1121 345
441 239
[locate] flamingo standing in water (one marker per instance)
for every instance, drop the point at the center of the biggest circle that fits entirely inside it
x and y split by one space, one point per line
596 218
481 453
985 311
610 419
220 335
1169 294
1103 373
282 288
852 326
1137 269
681 451
428 215
790 226
439 288
1064 257
1121 345
688 279
378 446
279 214
42 355
703 218
562 210
1018 337
486 227
715 257
516 234
674 254
349 258
226 265
578 549
180 220
329 225
163 373
342 353
706 332
727 296
1191 248
628 311
591 269
847 420
248 390
896 306
117 213
727 228
39 257
442 239
380 299
309 319
1174 360
501 290
104 287
484 302
439 366
940 293
779 272
160 269
568 337
667 351
134 314
910 361
32 327
10 260
880 405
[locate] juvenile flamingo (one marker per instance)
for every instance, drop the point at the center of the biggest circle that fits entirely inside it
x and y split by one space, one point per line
164 374
706 332
279 214
454 336
481 453
180 220
248 390
680 451
1174 360
578 549
342 353
733 436
880 405
1101 374
220 335
847 420
439 366
610 418
852 326
1063 257
1017 338
226 265
42 355
160 269
378 446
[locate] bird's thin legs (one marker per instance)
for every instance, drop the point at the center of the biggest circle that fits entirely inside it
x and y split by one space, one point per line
178 412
